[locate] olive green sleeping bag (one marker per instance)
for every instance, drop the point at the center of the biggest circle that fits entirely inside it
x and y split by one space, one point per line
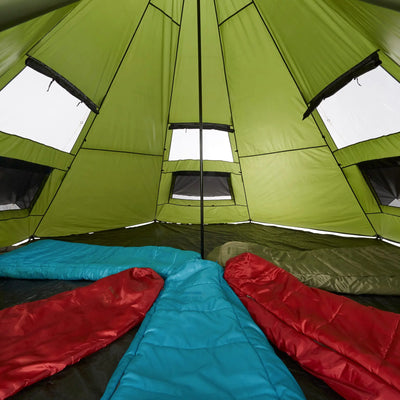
357 270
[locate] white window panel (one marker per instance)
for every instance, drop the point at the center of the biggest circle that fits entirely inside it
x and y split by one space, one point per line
185 145
366 108
184 197
10 206
395 203
34 107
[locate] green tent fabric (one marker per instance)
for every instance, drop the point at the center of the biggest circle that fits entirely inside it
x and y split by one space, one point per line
262 62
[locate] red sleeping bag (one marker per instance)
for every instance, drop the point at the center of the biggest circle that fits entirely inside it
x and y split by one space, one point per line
355 349
40 338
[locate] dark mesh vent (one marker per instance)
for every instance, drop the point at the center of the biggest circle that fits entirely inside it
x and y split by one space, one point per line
384 177
215 185
20 182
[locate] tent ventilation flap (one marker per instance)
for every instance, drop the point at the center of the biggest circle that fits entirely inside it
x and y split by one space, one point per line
68 86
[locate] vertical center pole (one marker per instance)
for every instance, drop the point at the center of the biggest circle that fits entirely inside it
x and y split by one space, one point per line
200 128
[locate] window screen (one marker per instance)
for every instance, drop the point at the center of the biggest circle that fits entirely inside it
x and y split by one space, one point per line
20 182
216 186
384 177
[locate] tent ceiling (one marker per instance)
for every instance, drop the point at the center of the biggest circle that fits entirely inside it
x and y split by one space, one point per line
262 63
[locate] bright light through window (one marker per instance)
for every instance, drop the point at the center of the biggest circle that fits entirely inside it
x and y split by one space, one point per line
185 145
34 107
366 108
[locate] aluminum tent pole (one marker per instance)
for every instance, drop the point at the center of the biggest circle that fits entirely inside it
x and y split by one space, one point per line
200 128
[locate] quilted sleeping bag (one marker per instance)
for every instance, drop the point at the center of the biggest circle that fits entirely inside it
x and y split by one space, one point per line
40 338
355 349
196 342
199 342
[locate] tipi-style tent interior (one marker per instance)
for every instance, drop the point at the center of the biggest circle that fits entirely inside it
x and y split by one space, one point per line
214 126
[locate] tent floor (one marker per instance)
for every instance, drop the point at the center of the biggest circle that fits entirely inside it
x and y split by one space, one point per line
90 376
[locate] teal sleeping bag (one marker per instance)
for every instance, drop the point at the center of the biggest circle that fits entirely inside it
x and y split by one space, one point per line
54 259
196 342
199 342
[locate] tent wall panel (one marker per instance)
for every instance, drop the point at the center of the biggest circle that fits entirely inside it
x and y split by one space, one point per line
134 118
282 194
387 226
16 41
380 25
383 147
267 108
361 189
48 192
184 103
238 190
185 92
335 45
172 8
15 230
227 8
14 215
191 214
164 189
395 211
194 165
18 11
103 30
215 96
23 149
104 190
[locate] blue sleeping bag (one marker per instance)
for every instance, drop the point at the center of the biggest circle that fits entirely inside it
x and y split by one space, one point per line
54 259
196 342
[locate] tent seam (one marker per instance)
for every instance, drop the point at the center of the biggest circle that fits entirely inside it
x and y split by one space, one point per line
92 122
163 12
315 122
169 113
121 151
285 151
230 109
235 13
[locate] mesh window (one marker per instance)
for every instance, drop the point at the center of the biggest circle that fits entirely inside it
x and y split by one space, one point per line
20 182
384 177
216 186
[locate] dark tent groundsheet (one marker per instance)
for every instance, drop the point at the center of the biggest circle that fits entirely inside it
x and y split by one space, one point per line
88 378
